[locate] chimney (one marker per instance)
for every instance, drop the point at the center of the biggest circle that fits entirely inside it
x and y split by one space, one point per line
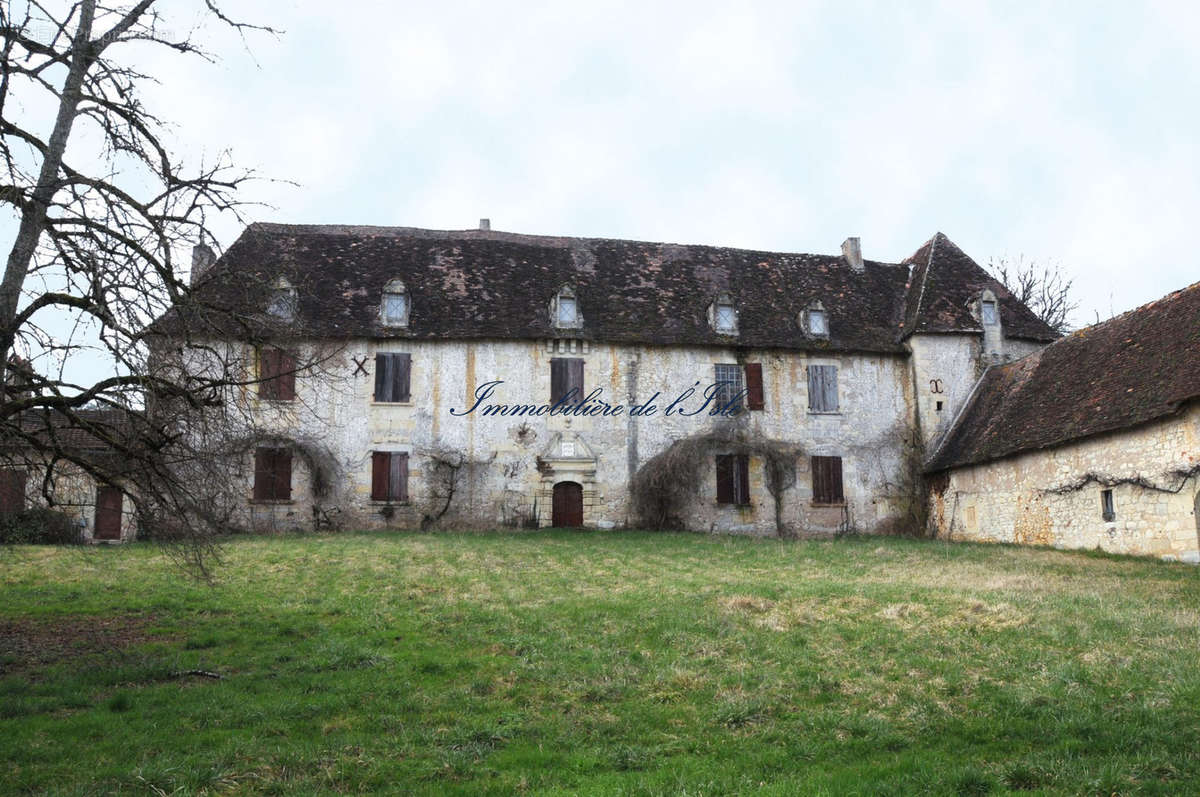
852 251
485 224
202 257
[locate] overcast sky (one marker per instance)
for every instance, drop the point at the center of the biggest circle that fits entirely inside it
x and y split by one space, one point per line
1066 135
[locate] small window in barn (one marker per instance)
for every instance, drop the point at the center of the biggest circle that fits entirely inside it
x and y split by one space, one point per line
389 476
12 490
729 385
276 375
723 315
816 321
392 377
1107 510
827 481
564 310
733 479
282 303
822 388
566 380
272 474
393 310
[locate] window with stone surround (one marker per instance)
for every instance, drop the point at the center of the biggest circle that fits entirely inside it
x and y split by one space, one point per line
822 388
393 372
393 309
733 479
389 476
1107 510
566 375
276 374
272 474
827 481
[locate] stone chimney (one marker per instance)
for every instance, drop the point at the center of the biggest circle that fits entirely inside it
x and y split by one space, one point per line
202 257
485 224
852 251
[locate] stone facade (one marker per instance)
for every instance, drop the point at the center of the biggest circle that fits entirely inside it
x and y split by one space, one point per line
73 492
1056 496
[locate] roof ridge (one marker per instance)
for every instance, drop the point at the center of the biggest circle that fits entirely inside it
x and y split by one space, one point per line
1090 328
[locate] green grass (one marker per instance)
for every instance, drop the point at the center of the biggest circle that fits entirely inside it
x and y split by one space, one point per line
598 663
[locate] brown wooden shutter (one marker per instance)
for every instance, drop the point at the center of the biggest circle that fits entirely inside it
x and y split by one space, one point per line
575 377
262 473
285 379
835 480
558 378
383 384
398 481
283 474
827 480
401 375
268 368
724 479
754 386
380 461
12 490
743 479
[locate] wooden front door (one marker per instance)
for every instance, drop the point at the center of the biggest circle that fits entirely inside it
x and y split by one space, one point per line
108 513
568 504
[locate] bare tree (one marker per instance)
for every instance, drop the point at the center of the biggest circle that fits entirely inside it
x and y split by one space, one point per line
103 209
1042 287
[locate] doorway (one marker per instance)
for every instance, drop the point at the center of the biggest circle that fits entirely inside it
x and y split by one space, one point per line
108 513
568 505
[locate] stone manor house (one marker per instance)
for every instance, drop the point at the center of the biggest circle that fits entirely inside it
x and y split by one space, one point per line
438 364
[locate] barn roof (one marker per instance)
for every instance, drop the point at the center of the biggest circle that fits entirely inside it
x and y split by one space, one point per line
1138 367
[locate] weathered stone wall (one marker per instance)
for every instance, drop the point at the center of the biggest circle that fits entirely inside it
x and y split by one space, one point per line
1053 497
512 463
72 492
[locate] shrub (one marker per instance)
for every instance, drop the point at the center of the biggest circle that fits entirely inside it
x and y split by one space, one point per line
39 527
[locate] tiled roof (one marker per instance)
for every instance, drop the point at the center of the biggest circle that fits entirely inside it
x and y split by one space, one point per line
1134 368
945 280
498 285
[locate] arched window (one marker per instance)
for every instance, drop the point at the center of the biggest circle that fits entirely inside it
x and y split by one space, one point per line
723 315
393 309
564 309
282 303
815 321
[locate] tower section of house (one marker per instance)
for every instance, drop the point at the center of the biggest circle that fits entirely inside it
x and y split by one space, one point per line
958 321
418 378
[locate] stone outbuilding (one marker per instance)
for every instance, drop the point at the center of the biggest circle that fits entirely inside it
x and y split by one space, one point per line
1090 442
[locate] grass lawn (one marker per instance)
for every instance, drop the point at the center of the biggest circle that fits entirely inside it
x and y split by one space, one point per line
598 663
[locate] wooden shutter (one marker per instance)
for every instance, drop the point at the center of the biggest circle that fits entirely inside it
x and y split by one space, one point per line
285 376
754 386
558 378
283 474
831 395
743 479
401 375
262 473
384 370
827 480
12 490
268 369
822 388
575 377
380 462
724 478
398 477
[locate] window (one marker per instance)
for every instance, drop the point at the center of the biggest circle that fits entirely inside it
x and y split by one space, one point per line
939 406
282 303
276 375
1107 510
272 474
389 476
817 325
725 317
564 310
12 490
733 479
822 388
827 480
392 376
566 375
989 312
394 308
729 385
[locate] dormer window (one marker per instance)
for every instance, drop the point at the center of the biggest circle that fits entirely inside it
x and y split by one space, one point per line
816 321
282 303
564 309
988 310
723 315
393 310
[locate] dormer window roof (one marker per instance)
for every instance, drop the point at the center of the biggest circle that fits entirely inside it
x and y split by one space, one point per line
282 303
564 309
394 306
723 315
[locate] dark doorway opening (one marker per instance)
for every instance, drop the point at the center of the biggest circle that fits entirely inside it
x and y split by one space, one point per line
568 505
